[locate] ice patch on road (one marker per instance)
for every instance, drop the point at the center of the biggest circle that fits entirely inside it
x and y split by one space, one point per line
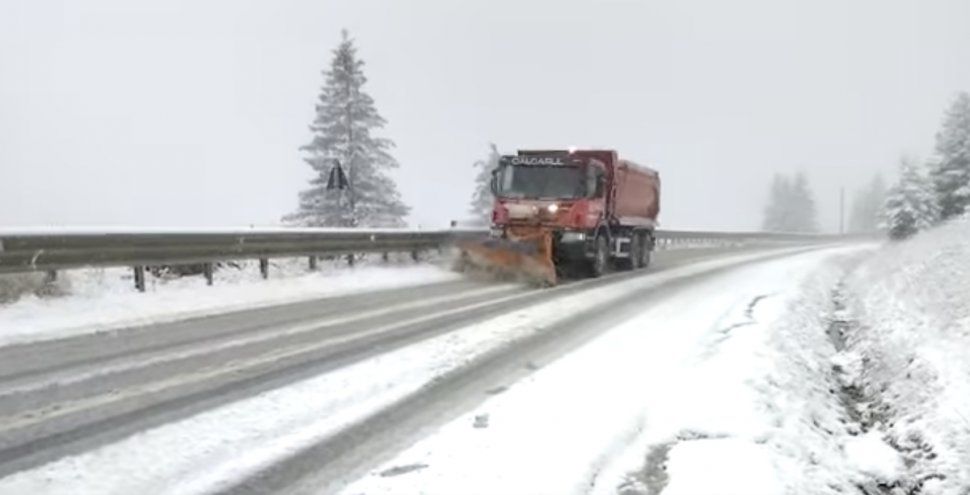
104 299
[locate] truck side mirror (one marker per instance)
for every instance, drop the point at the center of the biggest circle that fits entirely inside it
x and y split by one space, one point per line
600 186
493 184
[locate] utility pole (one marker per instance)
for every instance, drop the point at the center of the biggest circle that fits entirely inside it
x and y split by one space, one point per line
842 210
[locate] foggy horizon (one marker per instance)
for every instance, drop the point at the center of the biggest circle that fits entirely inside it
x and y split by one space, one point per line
178 113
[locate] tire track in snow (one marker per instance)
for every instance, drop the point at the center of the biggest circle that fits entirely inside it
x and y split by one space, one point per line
110 410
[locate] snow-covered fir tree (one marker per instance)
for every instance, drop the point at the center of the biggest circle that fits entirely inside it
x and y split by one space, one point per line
867 206
790 206
343 136
911 205
481 203
776 212
951 171
805 216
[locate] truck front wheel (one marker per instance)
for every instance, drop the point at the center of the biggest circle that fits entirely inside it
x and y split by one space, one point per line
601 257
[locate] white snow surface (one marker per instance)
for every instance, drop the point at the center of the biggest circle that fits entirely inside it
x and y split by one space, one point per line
105 299
912 305
725 385
872 455
209 451
753 475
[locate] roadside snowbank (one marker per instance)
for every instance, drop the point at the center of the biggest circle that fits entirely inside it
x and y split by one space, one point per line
912 305
723 387
766 408
104 299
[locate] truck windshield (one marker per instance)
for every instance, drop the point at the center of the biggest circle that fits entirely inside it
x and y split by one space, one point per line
541 182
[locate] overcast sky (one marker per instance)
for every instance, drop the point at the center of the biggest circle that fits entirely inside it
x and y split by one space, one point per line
171 113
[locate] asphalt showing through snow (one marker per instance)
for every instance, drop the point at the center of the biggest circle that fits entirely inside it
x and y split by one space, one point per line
63 397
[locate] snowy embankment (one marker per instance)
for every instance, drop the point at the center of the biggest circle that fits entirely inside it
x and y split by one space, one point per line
909 348
723 387
105 299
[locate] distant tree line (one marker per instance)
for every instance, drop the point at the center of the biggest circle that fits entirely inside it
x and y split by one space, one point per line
923 195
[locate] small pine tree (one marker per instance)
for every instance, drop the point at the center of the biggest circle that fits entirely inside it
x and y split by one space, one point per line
951 173
343 136
867 206
910 204
776 216
790 206
481 203
804 215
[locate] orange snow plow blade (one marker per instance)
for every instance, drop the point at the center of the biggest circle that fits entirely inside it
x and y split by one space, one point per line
526 258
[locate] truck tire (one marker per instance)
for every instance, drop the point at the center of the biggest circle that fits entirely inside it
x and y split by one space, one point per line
633 261
600 263
646 251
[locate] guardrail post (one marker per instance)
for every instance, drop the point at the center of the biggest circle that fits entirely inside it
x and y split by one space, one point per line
313 263
350 259
139 278
415 256
384 256
264 267
207 271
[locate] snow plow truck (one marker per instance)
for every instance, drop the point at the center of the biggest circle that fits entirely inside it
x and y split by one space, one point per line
568 213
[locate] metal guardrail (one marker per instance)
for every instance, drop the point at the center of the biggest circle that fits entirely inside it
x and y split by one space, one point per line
51 251
668 238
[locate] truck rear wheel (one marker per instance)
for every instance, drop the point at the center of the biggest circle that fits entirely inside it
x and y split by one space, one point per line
632 261
646 251
637 248
599 265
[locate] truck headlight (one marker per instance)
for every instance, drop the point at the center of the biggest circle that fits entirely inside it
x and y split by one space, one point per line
573 236
553 208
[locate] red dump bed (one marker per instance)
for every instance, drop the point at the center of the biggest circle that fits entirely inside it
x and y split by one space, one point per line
637 194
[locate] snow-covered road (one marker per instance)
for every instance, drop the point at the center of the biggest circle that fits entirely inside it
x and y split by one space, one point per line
102 299
588 386
702 392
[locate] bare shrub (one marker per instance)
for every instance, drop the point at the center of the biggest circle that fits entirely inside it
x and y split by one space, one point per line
14 286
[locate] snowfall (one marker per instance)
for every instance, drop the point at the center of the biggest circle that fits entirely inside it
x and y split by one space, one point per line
837 370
